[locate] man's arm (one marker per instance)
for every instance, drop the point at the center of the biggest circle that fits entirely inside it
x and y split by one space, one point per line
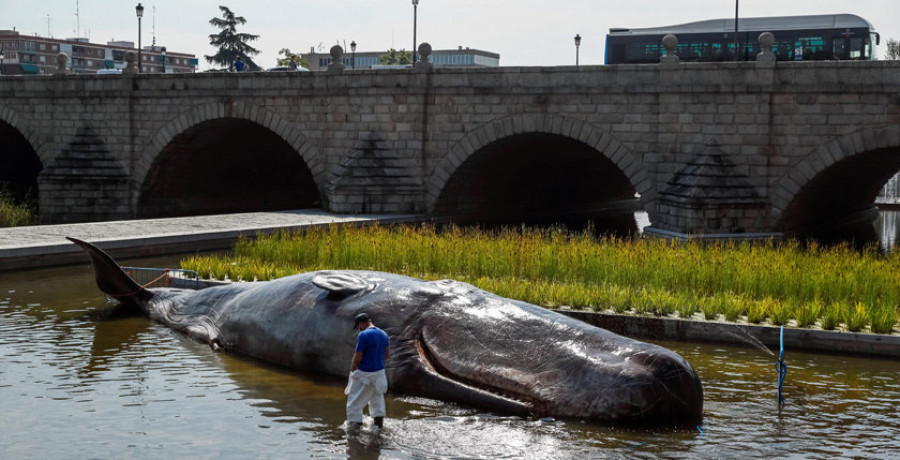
357 358
387 353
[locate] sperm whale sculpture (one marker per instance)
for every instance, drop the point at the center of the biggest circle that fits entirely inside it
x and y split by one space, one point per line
450 341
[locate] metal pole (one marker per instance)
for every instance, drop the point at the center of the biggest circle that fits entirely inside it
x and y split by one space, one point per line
415 13
577 47
139 46
736 43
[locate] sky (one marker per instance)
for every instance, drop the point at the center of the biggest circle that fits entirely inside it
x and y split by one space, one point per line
523 32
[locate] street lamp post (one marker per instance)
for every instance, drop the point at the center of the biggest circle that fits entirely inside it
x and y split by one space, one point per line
577 45
139 10
736 44
353 51
415 13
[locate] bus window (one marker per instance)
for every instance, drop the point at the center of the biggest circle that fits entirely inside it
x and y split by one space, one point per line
643 52
840 48
856 48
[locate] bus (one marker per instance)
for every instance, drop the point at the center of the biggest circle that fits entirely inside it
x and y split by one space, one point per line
797 38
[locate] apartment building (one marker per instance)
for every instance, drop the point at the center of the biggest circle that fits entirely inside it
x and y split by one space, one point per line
33 54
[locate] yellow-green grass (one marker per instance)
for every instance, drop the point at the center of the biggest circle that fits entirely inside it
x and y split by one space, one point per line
778 283
13 214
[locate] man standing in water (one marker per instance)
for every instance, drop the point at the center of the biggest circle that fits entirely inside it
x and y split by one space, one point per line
368 383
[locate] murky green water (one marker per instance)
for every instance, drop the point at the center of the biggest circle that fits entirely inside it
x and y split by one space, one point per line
74 384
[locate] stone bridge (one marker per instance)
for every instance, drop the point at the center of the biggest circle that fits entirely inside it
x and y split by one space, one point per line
741 149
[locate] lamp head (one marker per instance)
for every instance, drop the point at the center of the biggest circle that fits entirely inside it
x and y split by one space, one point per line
577 40
139 10
353 46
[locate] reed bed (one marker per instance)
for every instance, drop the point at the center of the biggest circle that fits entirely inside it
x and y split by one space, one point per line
773 283
13 214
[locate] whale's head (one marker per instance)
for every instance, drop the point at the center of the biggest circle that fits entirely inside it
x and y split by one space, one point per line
453 341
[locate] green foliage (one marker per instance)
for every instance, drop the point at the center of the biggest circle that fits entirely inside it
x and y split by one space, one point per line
856 317
230 43
767 283
13 214
833 314
807 313
286 60
882 318
394 57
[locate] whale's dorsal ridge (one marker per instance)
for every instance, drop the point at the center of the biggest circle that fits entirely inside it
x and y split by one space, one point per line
340 284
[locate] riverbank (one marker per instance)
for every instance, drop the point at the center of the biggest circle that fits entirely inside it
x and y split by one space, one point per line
766 337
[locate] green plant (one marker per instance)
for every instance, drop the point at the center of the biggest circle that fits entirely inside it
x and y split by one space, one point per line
759 310
710 308
882 318
856 317
832 317
733 306
779 312
808 313
13 214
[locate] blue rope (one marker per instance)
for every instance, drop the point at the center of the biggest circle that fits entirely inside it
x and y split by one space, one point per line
781 368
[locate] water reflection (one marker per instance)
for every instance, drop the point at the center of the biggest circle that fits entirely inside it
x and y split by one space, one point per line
886 227
76 381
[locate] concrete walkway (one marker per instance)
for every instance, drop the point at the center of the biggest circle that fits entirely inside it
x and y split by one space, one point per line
46 245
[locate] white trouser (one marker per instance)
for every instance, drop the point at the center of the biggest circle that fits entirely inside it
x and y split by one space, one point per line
366 388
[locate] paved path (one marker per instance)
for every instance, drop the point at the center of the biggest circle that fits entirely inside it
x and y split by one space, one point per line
46 245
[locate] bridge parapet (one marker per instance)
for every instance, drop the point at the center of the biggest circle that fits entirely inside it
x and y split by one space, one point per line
779 126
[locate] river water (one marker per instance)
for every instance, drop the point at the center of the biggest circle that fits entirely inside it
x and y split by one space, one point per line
77 384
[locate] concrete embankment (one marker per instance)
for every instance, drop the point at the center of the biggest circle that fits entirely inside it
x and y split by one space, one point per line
46 245
814 340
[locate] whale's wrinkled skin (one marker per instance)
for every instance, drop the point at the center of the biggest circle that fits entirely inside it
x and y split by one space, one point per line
449 341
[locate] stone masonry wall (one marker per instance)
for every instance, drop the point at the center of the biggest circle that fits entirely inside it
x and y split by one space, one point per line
779 125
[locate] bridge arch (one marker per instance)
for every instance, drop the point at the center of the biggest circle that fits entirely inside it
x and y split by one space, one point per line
226 157
20 147
591 144
837 183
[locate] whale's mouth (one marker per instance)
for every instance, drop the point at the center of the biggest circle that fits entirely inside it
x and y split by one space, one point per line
504 398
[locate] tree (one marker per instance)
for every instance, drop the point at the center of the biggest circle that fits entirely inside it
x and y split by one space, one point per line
394 57
231 44
286 60
893 49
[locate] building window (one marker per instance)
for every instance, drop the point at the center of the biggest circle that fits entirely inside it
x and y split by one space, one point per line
54 48
43 46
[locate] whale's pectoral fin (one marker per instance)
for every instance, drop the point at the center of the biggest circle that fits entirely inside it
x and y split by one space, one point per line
339 284
111 279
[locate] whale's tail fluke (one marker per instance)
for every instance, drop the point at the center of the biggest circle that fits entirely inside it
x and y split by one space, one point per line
110 277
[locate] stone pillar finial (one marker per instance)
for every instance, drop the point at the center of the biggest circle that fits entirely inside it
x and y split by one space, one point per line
423 63
130 59
62 59
766 58
336 65
670 43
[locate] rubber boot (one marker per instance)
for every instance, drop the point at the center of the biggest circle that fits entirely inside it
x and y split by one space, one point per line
379 421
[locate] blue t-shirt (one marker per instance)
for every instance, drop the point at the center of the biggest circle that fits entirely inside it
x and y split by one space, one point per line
373 343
